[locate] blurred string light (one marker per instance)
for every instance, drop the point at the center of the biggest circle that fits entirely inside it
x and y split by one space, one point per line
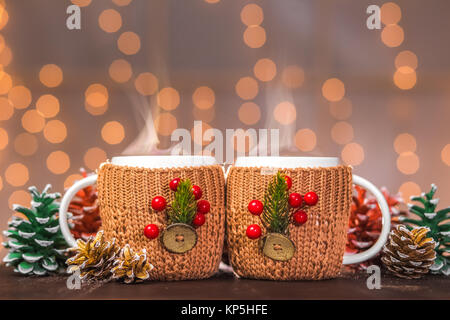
252 16
96 99
333 90
55 131
51 75
32 121
58 162
204 97
409 189
113 132
121 3
168 98
265 69
20 97
94 157
4 138
47 106
146 83
25 144
81 3
353 154
129 43
20 197
16 174
249 113
120 71
110 20
285 113
305 140
5 83
408 163
71 179
293 76
247 88
212 1
342 132
445 154
392 34
6 109
405 142
165 123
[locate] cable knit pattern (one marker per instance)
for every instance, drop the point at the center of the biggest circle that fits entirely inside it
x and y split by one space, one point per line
319 243
125 195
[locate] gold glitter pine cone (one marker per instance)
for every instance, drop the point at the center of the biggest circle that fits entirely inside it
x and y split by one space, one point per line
409 254
94 258
131 266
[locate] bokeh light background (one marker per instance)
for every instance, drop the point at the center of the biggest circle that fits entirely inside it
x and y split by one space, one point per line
138 69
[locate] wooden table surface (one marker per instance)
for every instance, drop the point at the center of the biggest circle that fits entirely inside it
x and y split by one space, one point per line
225 286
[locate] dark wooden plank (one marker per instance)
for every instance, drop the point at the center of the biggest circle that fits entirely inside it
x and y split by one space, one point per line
225 286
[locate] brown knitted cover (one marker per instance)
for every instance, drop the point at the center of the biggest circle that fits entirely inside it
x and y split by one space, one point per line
319 243
125 195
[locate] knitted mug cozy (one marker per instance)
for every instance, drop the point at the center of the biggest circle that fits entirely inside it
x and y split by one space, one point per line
125 195
318 245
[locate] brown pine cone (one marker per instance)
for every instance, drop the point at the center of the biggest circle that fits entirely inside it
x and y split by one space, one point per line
409 254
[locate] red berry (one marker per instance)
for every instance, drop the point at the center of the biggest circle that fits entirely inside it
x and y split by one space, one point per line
295 200
151 231
311 198
197 192
174 184
288 182
300 217
158 203
253 231
203 206
199 219
255 207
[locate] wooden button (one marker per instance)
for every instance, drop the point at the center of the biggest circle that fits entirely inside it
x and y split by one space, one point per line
277 247
179 238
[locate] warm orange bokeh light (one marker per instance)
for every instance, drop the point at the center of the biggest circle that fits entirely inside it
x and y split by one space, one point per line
58 162
445 154
16 174
265 69
165 123
25 144
4 18
32 121
390 13
4 139
55 131
121 3
342 109
95 111
252 15
247 88
113 132
129 43
293 76
5 83
51 75
406 59
6 56
6 109
146 83
81 3
342 132
47 106
168 98
20 197
405 142
352 154
120 70
408 190
333 90
305 140
285 113
405 78
255 36
70 180
203 97
249 113
94 157
20 97
408 163
96 95
392 35
110 20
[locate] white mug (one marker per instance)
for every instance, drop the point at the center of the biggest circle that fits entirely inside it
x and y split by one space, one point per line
149 162
314 162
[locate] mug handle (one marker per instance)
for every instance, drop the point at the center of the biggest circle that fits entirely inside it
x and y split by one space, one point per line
385 229
65 202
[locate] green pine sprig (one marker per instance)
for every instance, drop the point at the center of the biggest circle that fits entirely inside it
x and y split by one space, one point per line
275 216
36 244
184 206
437 221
